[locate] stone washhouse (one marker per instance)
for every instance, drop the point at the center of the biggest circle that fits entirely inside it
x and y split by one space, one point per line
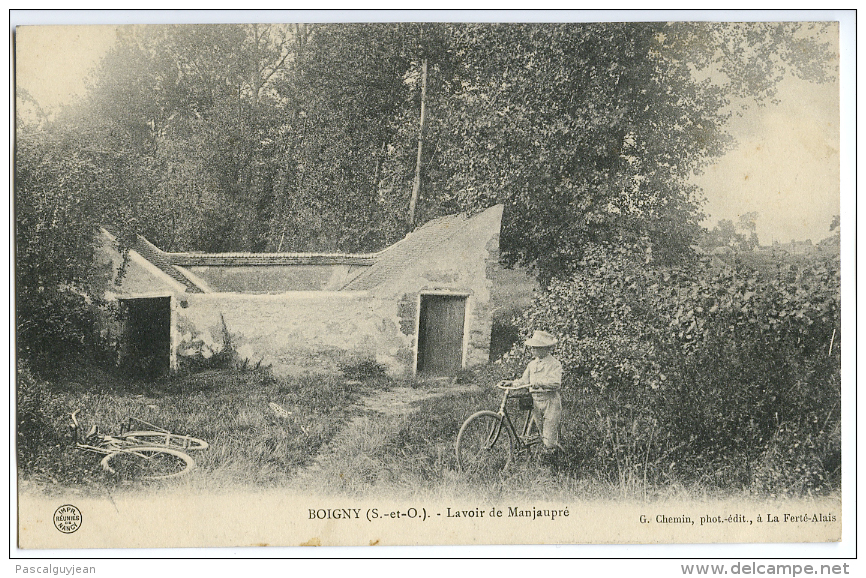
422 305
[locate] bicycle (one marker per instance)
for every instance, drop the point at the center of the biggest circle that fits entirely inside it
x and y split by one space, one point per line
158 436
488 441
127 457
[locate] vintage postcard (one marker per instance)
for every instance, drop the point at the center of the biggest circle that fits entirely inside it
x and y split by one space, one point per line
423 283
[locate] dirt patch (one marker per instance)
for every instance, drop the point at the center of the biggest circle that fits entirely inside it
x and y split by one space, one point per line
378 406
403 400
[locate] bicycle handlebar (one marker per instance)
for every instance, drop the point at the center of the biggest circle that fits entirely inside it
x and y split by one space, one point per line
510 386
75 427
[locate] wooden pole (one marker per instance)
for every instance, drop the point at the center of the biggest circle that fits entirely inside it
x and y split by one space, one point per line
416 186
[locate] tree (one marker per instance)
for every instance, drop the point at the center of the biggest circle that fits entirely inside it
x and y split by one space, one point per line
58 287
356 90
342 95
193 113
746 224
306 137
741 236
588 132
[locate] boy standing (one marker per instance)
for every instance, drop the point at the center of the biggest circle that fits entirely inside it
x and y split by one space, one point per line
543 375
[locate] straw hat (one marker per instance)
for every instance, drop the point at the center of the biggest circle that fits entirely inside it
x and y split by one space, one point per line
541 339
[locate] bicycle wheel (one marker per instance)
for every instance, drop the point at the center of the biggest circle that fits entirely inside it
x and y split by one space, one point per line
485 444
159 439
147 463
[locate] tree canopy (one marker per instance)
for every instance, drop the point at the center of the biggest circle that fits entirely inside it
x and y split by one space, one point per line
267 137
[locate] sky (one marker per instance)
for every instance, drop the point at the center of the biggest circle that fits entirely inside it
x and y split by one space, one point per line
52 62
785 165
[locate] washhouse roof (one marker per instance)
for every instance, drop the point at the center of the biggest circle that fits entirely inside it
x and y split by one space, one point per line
377 268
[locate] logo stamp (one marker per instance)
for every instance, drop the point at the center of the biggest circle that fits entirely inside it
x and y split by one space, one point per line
67 518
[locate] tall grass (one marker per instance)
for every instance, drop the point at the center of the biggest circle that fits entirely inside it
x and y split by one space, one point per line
613 453
413 455
327 444
250 445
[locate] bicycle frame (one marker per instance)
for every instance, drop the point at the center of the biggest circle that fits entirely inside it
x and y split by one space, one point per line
479 450
132 419
506 417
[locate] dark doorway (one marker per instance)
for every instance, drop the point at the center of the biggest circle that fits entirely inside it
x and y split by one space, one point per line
146 343
440 334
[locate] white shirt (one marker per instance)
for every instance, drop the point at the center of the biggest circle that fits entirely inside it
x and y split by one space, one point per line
542 374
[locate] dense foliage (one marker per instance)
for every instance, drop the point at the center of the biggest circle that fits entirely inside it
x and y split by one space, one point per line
729 371
34 413
304 137
58 211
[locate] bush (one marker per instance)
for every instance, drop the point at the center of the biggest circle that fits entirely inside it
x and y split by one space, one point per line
503 336
700 372
797 460
198 356
59 285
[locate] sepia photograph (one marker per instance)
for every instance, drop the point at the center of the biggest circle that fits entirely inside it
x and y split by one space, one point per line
425 280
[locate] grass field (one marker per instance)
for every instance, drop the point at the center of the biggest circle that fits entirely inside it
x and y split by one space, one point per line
249 444
251 447
255 484
413 456
328 444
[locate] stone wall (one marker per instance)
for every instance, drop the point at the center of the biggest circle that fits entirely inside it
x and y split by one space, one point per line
320 330
292 332
296 332
459 266
275 279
